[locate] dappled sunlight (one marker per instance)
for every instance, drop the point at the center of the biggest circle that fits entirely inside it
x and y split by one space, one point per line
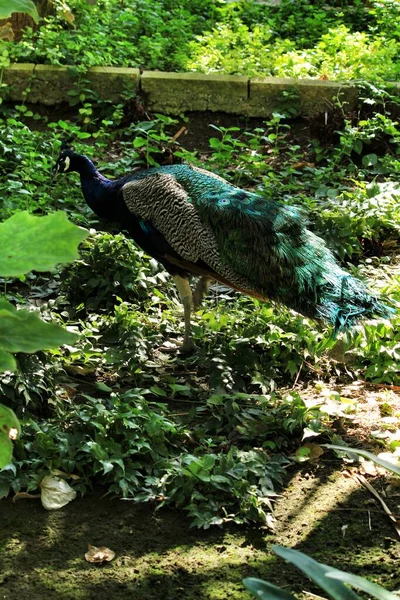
304 512
321 512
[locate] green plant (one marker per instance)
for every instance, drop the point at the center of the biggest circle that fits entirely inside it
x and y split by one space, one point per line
111 269
302 39
24 6
351 452
329 579
29 243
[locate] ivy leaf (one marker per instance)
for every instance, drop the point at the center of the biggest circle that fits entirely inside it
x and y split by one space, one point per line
37 243
21 6
23 331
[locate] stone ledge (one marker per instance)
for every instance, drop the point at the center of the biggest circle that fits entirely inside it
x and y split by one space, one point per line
178 93
308 96
50 85
17 78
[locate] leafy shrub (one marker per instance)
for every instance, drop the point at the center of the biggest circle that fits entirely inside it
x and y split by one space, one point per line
132 446
299 39
111 270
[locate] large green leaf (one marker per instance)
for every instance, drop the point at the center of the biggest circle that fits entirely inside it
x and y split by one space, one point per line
9 429
372 589
37 243
317 572
7 361
7 7
365 454
266 591
5 450
23 331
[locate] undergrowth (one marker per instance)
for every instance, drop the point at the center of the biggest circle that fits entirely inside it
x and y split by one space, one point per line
337 40
213 432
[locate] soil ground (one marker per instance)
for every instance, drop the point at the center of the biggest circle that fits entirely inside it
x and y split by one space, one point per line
322 512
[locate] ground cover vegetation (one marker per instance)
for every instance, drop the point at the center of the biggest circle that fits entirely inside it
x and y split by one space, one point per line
333 40
212 433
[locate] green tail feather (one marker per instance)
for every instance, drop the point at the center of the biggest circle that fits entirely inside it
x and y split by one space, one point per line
270 245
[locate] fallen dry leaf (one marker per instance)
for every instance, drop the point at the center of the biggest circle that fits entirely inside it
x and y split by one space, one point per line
315 450
55 493
99 555
20 495
6 32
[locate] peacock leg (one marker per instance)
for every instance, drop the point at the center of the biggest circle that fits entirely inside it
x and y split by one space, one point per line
186 297
200 291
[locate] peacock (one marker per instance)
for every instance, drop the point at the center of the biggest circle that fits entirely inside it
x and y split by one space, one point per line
194 222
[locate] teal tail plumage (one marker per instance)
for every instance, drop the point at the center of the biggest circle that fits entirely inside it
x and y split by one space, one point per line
269 244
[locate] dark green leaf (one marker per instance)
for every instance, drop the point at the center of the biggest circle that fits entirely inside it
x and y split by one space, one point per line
266 591
317 572
23 331
22 6
7 361
365 454
363 584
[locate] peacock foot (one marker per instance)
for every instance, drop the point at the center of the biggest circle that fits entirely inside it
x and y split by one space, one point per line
188 347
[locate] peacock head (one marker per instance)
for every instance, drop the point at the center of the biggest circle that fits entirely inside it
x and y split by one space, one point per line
66 162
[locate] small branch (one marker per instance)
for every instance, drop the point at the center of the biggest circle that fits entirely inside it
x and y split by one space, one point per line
361 479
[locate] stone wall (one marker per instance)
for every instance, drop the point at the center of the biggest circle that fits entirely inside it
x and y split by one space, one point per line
177 93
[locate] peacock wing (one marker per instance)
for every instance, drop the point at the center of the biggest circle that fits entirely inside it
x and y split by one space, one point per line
159 199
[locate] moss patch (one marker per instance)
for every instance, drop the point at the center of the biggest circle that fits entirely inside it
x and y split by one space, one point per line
158 556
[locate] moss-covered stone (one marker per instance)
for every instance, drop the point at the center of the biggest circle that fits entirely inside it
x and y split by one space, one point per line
308 96
17 79
50 85
175 93
113 83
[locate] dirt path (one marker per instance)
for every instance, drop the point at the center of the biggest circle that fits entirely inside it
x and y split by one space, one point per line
321 512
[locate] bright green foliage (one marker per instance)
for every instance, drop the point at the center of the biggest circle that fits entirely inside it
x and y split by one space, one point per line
110 270
340 54
22 6
9 429
329 579
30 243
299 39
133 446
23 331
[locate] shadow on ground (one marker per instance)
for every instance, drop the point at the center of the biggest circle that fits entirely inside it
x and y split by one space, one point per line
158 556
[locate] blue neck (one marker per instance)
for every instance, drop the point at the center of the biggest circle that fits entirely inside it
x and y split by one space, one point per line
99 192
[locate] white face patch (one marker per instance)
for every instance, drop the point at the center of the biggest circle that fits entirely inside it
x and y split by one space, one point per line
67 163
